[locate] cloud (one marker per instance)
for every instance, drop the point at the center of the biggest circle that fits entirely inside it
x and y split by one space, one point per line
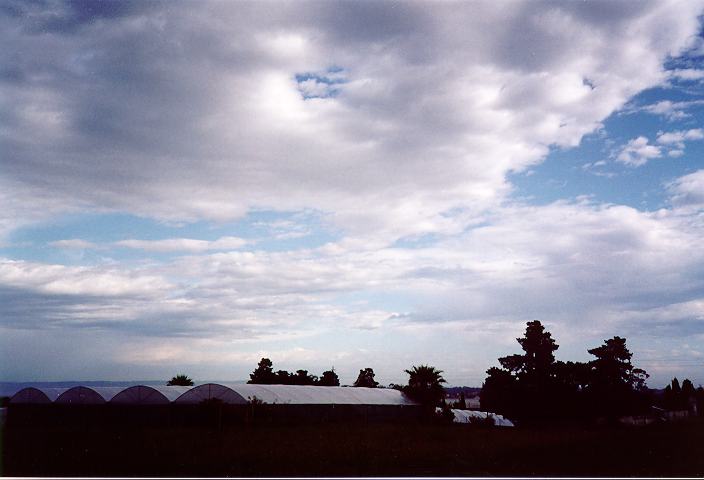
688 191
671 110
383 122
687 74
189 245
637 152
74 243
677 138
604 270
183 244
61 280
224 112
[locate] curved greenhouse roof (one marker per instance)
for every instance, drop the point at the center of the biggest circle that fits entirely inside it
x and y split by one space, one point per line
226 393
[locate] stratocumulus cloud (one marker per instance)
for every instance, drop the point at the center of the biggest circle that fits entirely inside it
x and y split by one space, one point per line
307 180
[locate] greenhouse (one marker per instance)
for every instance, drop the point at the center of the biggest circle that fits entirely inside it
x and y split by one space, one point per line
208 404
230 394
470 416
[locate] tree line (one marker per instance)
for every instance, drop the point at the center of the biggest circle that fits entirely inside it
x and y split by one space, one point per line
264 374
529 386
534 386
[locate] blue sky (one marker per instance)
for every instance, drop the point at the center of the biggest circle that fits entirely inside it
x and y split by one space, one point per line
191 187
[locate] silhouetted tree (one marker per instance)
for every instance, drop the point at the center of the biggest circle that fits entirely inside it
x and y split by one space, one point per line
615 384
574 376
425 386
329 379
303 378
537 361
526 387
679 398
366 379
613 369
180 380
263 374
688 388
498 392
283 377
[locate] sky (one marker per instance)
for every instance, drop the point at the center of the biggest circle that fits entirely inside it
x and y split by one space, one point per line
189 187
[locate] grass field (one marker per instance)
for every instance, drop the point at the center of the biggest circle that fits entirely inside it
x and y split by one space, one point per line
357 450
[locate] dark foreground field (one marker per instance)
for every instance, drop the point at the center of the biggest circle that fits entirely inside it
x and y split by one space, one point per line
356 450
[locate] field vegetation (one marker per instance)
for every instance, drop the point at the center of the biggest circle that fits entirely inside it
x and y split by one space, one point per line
355 449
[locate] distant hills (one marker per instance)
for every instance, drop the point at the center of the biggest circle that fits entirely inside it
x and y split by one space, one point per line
468 391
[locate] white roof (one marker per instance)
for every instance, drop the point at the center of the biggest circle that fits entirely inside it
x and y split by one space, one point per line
465 416
230 393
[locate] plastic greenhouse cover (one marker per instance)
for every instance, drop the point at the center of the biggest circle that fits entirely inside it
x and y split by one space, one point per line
464 416
211 391
37 395
229 393
149 394
314 395
81 396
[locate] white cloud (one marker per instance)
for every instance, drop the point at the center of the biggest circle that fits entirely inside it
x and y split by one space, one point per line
189 245
186 113
687 74
183 244
677 138
637 152
688 191
603 270
226 128
671 110
74 243
62 280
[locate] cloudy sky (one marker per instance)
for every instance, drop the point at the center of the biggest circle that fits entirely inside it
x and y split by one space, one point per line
189 187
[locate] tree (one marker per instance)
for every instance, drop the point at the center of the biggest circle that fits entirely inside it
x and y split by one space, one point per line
180 380
498 392
329 379
263 374
679 398
537 361
425 386
282 377
366 379
688 389
617 387
613 369
532 385
303 378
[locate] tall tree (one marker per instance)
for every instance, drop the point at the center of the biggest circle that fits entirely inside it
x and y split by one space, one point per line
425 386
538 359
617 387
264 373
180 380
613 369
329 379
366 379
530 385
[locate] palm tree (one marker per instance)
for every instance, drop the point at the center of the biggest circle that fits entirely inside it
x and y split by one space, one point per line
424 385
181 380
